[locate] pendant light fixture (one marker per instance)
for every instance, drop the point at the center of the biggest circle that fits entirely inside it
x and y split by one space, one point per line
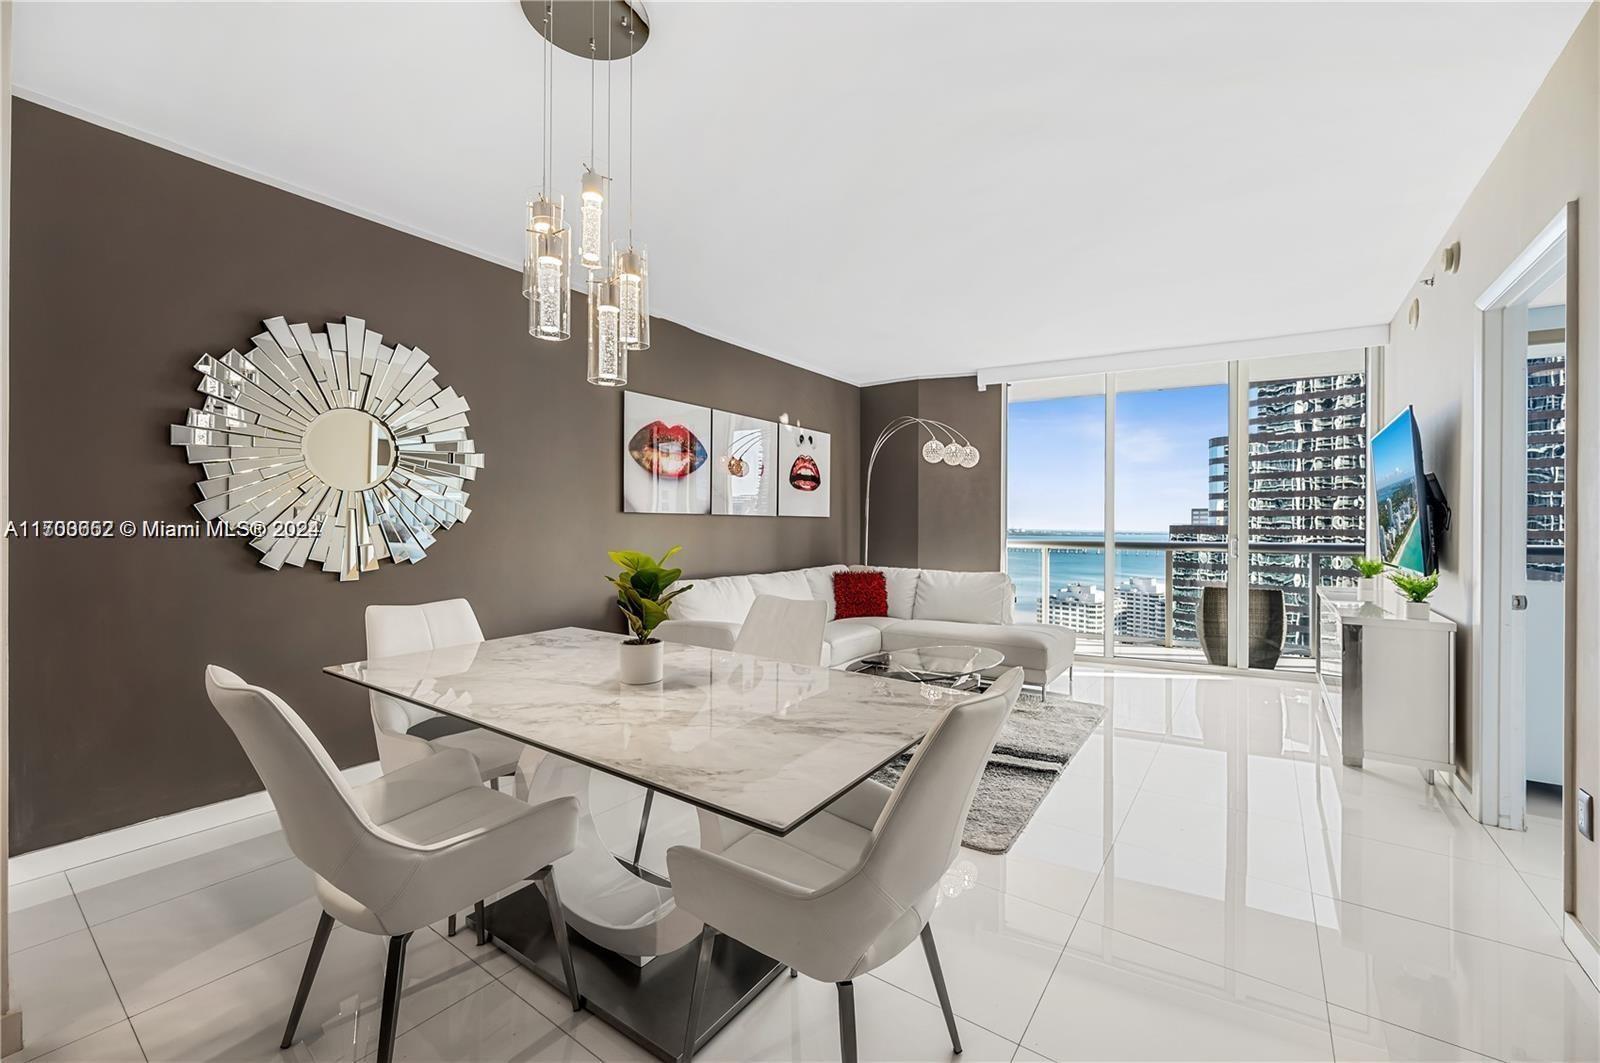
629 265
618 302
593 186
608 356
547 265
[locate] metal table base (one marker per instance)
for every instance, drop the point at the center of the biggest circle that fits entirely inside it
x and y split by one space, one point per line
649 1004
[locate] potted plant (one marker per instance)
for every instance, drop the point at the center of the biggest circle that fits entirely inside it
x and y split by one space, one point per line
643 597
1367 587
1416 590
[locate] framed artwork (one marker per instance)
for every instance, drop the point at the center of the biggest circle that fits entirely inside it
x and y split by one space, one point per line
666 460
744 465
805 474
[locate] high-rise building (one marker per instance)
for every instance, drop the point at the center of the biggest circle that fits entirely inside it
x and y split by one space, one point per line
1547 440
1141 608
1080 606
1307 482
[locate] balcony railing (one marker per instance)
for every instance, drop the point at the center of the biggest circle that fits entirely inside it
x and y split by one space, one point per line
1310 564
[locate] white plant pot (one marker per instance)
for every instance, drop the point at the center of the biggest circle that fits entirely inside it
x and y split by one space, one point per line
1418 611
1367 589
638 665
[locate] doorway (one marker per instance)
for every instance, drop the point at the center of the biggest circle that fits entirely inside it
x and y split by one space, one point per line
1527 598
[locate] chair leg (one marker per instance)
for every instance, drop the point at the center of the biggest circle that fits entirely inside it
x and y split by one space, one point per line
644 822
483 923
697 992
558 927
938 985
847 1022
319 941
450 927
393 981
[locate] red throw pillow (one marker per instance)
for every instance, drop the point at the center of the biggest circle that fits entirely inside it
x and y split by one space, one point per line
859 594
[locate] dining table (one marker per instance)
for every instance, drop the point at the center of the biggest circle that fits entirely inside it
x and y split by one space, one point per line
748 741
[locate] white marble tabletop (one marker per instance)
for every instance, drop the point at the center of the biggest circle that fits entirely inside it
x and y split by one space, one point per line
759 741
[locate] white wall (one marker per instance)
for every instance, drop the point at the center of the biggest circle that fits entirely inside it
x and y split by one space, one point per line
1551 158
1546 626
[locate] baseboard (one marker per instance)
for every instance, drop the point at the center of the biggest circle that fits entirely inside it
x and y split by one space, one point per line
1464 794
1582 947
10 1033
69 855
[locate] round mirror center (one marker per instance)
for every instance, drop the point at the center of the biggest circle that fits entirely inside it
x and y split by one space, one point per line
349 449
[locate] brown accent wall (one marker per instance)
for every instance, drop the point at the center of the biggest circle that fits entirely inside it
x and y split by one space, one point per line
132 261
935 516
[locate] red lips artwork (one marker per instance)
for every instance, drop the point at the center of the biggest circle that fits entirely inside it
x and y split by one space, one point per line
804 474
668 451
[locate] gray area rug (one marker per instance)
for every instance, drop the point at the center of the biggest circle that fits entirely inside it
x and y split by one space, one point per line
1042 735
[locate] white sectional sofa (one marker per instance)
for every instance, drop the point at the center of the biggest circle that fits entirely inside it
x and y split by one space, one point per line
927 607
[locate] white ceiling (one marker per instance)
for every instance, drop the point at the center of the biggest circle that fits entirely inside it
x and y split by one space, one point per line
878 191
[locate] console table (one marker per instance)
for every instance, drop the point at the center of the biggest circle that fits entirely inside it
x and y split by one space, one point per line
1388 681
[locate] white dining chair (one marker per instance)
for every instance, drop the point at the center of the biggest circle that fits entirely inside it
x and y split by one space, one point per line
778 629
854 885
783 629
413 846
408 732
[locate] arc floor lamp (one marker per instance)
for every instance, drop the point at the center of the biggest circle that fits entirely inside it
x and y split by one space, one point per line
952 449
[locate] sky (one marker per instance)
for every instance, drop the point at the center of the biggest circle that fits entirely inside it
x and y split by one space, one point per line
1055 451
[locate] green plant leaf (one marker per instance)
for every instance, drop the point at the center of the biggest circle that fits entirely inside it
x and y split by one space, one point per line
669 553
631 560
1415 588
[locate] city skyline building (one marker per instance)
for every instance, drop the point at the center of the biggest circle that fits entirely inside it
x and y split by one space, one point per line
1307 480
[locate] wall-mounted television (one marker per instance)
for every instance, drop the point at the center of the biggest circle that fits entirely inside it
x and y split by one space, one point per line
1411 509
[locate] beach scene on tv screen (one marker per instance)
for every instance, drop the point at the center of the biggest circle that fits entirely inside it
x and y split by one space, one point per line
1395 474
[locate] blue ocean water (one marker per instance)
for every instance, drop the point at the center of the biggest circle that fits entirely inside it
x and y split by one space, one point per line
1075 565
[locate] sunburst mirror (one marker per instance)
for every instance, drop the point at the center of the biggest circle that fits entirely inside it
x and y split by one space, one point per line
331 447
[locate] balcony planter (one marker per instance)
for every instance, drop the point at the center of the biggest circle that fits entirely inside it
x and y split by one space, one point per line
1367 589
639 663
1418 611
1265 632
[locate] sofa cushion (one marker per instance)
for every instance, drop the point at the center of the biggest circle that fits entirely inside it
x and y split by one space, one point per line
725 598
972 597
821 580
782 584
1042 651
849 639
901 585
859 594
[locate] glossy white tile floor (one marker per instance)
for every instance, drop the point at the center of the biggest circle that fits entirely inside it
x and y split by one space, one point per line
1202 883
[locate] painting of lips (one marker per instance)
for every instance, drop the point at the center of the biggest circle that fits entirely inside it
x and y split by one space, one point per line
803 457
671 451
804 475
666 455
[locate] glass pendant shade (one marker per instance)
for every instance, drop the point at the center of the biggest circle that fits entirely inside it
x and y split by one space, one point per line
969 456
592 221
952 454
546 280
933 452
608 356
631 270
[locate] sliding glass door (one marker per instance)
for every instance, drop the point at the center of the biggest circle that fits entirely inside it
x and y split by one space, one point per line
1170 436
1122 492
1056 556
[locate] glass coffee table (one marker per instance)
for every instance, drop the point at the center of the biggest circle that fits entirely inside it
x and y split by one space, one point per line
959 667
